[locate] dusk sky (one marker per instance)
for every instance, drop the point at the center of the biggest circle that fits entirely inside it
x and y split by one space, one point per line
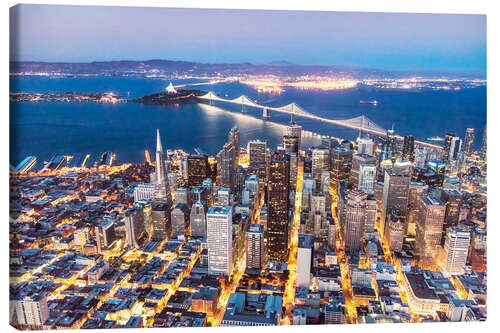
424 42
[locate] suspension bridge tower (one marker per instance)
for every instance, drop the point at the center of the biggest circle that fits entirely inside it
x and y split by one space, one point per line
243 110
265 114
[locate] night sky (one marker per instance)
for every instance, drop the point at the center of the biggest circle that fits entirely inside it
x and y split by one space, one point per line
429 42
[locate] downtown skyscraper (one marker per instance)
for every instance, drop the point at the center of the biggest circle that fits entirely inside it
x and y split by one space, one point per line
225 166
320 163
162 188
255 247
277 206
304 260
469 140
357 161
257 159
234 140
197 220
395 195
365 145
134 226
389 146
429 230
456 247
220 240
294 130
197 170
366 180
162 204
355 217
291 143
451 147
409 148
341 161
228 159
484 145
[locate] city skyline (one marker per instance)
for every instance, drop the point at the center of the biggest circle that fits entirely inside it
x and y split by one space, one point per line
182 194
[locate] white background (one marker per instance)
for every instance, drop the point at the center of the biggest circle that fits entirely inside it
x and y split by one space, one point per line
490 8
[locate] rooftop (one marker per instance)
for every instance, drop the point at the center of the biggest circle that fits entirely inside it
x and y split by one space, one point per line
219 210
428 200
419 286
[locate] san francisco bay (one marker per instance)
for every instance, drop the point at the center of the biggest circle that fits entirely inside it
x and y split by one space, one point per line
127 129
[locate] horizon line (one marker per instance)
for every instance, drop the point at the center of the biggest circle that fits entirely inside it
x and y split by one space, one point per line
275 63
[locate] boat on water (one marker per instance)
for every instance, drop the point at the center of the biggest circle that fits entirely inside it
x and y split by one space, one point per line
371 102
435 138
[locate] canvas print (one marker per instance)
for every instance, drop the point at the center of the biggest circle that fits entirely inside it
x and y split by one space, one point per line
174 167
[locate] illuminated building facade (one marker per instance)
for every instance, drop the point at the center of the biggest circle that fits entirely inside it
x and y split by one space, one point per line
179 218
81 236
394 195
32 312
355 216
429 230
240 175
197 170
294 130
416 191
371 214
366 180
291 143
234 140
197 220
255 247
105 235
383 166
304 260
448 137
320 163
278 206
144 191
395 231
409 148
478 250
220 240
341 161
365 145
182 195
162 188
483 152
357 161
452 199
160 217
456 248
257 159
225 166
294 164
134 226
332 229
469 140
455 149
389 146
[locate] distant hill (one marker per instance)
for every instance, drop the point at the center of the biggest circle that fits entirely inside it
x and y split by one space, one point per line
281 63
171 67
167 68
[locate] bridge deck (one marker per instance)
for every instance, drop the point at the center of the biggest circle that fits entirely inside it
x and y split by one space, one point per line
358 123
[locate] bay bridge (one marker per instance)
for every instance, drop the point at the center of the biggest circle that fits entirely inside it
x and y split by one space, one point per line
361 123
